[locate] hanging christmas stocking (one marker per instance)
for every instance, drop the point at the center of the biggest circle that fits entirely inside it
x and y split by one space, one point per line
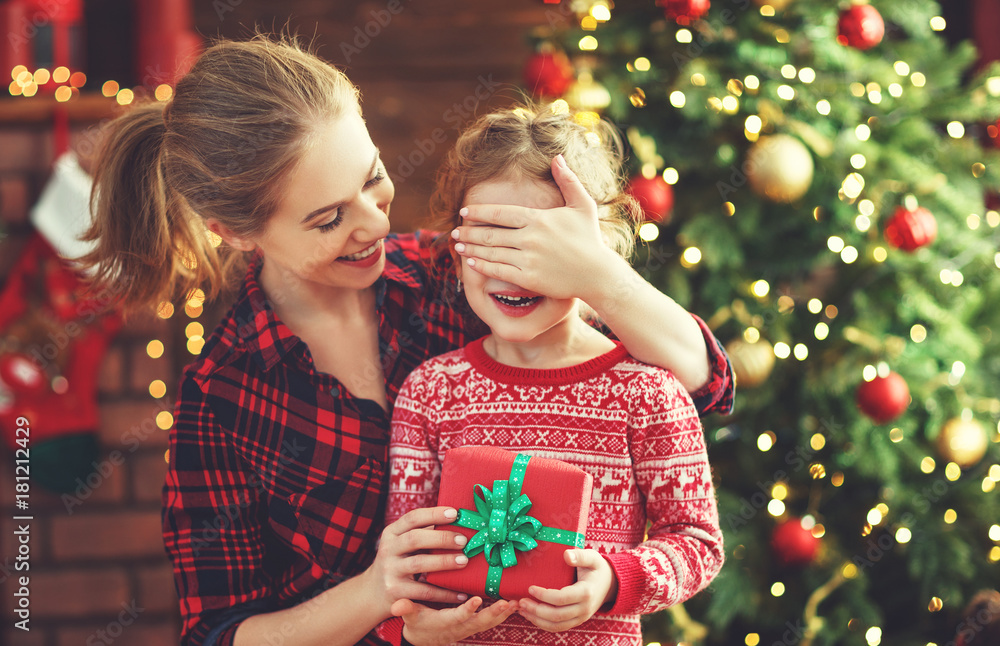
53 337
52 340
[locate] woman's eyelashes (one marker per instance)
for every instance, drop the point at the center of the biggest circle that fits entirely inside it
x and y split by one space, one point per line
379 176
334 223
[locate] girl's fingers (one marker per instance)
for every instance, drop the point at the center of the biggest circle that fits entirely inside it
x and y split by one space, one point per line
402 607
494 615
588 559
562 597
468 609
498 215
552 617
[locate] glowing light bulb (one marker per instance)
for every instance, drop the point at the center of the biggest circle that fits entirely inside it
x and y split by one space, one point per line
760 288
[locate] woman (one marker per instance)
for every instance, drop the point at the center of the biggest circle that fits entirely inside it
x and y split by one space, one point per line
275 486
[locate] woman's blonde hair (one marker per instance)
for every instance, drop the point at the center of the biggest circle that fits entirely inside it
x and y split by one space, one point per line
520 143
222 148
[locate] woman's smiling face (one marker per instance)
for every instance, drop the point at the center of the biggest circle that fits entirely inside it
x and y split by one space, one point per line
329 227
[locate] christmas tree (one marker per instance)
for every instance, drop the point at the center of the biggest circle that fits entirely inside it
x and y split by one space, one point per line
820 182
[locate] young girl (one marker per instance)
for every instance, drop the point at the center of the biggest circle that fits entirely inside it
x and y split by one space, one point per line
276 478
545 383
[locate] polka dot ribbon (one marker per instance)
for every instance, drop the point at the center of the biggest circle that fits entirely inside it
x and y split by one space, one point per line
503 526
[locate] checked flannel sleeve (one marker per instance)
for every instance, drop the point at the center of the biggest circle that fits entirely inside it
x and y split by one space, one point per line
212 517
717 395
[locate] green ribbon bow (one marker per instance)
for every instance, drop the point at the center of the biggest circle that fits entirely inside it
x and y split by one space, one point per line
503 526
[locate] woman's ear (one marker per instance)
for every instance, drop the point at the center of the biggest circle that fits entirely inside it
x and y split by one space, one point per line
237 242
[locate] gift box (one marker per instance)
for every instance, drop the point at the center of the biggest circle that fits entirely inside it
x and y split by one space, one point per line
520 514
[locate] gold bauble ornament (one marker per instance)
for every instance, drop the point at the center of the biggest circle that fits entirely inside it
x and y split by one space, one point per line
752 362
963 442
780 168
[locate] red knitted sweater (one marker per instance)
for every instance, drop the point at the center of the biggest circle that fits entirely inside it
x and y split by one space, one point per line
632 426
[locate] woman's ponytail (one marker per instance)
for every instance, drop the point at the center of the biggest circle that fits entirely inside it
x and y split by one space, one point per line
150 245
220 150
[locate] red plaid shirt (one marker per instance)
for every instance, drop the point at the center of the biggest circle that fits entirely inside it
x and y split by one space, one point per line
276 483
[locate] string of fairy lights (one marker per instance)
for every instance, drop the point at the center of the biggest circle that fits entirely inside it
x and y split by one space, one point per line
66 85
194 333
852 190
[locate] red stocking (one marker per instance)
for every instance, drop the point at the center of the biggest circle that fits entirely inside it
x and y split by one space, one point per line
53 337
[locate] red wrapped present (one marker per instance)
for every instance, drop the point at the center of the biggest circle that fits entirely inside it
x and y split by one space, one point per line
520 514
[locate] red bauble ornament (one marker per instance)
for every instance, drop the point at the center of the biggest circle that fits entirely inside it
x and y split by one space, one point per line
793 544
548 74
684 11
883 398
860 27
655 196
909 230
992 200
993 132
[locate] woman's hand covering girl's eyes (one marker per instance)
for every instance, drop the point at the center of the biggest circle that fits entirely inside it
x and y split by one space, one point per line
555 252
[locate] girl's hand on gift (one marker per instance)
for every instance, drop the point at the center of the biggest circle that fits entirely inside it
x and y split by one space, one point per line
558 610
402 556
555 252
425 626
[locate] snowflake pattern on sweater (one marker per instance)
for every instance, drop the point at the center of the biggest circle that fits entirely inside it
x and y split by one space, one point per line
632 426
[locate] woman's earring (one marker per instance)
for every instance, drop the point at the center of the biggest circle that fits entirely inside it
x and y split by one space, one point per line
458 288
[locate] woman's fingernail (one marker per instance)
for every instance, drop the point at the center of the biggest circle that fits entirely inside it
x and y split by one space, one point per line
464 211
461 540
561 161
462 596
460 247
455 234
471 262
451 513
572 558
461 559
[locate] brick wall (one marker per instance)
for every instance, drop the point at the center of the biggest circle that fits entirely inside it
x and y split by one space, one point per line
98 574
96 564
